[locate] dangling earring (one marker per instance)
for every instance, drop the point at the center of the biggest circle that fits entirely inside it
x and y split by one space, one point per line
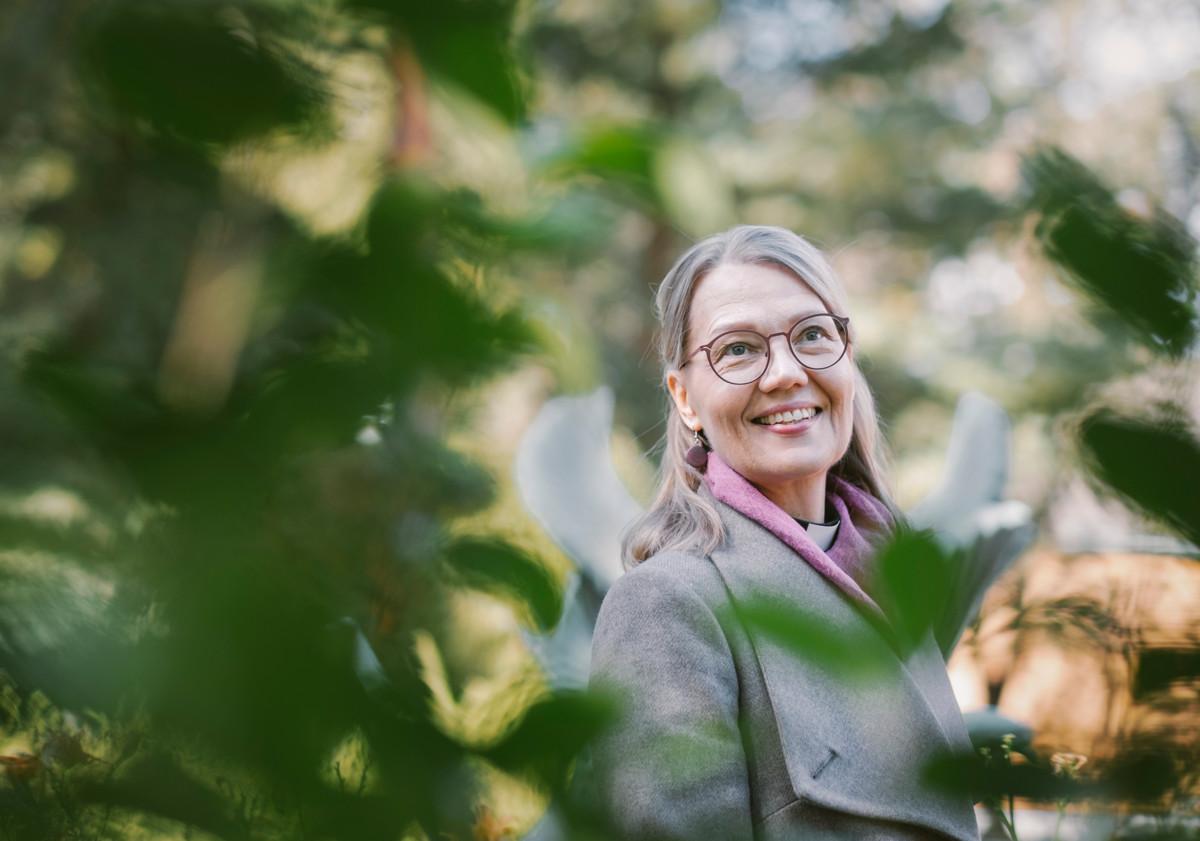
697 454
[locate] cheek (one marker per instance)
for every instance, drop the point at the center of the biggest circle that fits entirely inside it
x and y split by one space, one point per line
722 414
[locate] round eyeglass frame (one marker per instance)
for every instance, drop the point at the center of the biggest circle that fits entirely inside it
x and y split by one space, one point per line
841 320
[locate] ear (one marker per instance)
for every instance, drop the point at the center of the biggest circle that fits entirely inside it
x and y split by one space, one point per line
679 393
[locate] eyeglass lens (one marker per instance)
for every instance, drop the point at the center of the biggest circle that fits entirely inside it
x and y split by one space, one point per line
741 356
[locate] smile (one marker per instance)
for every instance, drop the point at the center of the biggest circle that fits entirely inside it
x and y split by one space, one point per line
792 416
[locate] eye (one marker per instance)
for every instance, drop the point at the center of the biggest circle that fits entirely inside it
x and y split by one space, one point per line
820 331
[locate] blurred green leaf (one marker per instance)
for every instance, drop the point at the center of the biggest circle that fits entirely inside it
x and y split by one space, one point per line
466 42
862 657
904 47
551 734
615 156
995 777
416 319
1153 465
1137 774
156 784
1144 772
197 71
1160 668
915 584
1143 270
570 224
498 568
21 816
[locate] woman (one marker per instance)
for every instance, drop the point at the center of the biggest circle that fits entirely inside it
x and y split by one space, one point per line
771 494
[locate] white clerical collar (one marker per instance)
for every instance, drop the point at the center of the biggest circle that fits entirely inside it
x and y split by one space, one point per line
822 534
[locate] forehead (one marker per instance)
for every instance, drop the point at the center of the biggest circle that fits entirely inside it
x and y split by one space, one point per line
757 295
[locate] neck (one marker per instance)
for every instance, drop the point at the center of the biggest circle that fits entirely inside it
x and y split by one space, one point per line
803 498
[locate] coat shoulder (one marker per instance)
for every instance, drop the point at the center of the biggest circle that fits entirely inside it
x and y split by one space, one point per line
667 585
671 596
674 766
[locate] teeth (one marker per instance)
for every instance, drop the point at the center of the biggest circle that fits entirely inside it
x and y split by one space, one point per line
787 417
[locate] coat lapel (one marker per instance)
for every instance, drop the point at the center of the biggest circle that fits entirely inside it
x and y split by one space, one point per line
857 747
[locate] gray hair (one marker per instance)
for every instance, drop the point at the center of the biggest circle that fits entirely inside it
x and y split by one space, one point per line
680 518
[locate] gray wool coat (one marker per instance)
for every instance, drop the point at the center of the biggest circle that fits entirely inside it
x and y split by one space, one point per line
731 736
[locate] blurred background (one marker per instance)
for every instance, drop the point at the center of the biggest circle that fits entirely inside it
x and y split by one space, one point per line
284 284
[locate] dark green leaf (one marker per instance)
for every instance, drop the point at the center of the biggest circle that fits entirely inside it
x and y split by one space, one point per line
915 583
1160 668
158 785
995 777
861 657
1152 465
552 734
466 42
195 71
498 568
903 48
1142 270
620 156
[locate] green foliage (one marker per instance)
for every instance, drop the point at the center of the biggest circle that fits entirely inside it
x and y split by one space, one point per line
1151 464
495 567
1139 774
902 49
466 42
211 388
621 157
1143 270
858 659
551 735
196 548
915 581
201 72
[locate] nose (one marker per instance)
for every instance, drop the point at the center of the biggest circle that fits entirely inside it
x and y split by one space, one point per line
783 369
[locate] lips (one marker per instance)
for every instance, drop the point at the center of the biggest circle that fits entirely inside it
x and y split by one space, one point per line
787 416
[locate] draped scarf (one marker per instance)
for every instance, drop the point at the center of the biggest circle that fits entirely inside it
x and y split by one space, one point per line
865 524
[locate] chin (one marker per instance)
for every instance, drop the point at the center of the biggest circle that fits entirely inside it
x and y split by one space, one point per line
779 471
797 464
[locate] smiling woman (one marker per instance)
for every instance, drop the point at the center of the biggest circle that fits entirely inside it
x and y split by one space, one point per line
771 494
737 401
752 281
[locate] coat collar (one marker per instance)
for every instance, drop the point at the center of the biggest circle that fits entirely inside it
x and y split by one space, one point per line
854 747
864 524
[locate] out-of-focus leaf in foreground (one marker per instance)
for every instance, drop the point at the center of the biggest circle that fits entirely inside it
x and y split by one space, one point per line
157 785
198 71
904 46
501 569
551 735
465 42
417 320
1160 668
1139 773
1153 465
1142 270
861 657
915 584
988 778
620 156
1141 776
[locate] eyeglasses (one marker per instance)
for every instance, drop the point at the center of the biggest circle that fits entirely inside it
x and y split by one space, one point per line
740 357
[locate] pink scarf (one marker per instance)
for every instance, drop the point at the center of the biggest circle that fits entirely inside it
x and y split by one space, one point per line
865 523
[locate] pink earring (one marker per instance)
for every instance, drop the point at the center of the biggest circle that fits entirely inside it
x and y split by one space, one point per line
697 454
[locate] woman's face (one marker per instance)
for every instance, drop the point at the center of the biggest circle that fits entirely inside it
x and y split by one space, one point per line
787 461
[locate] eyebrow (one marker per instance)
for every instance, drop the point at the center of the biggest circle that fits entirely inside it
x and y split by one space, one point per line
719 328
